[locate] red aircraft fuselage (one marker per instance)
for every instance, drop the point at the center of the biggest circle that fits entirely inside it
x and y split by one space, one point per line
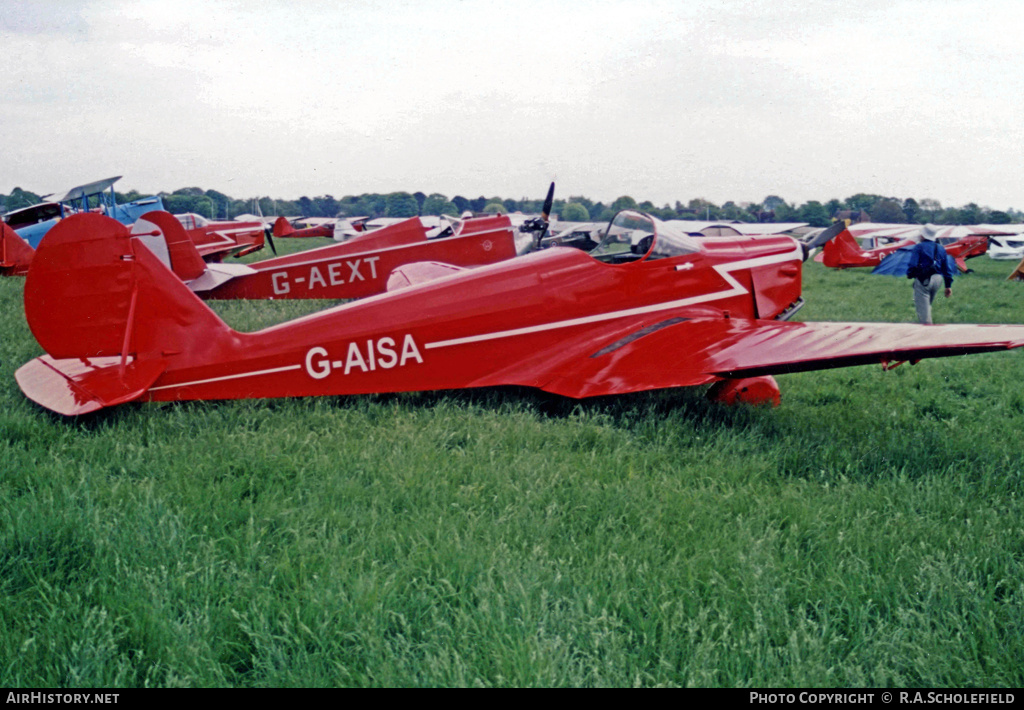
650 310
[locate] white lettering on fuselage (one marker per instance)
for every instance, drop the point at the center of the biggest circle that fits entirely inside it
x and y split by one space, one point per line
364 356
320 275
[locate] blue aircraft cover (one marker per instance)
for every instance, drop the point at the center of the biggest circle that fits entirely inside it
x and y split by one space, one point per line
897 263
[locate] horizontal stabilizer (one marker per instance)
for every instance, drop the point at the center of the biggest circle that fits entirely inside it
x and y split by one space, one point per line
217 274
73 387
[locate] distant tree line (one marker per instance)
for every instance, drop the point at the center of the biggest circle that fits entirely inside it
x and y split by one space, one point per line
878 208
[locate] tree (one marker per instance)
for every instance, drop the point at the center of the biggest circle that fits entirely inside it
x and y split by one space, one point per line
950 215
180 204
971 214
400 204
702 209
580 200
730 210
624 203
785 212
494 208
862 201
461 203
999 217
574 212
20 198
930 210
911 209
888 211
814 213
435 204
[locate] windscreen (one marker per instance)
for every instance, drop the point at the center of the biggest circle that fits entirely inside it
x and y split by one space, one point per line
634 235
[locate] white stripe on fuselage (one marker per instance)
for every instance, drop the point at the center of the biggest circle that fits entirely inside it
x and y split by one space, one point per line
227 377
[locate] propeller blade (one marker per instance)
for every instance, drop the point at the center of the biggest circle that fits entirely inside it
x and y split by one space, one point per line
267 231
825 235
548 201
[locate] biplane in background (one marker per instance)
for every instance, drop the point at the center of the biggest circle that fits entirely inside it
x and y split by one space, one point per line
649 308
32 222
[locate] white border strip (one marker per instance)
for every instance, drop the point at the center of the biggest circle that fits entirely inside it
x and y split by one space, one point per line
227 377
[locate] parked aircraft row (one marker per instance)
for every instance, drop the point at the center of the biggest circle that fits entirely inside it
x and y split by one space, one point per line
23 229
478 302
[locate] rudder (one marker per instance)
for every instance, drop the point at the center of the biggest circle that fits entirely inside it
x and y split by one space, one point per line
94 291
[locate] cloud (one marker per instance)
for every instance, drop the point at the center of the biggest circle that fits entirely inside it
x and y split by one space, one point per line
664 101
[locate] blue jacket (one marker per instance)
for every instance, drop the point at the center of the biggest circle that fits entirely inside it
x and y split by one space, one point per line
927 259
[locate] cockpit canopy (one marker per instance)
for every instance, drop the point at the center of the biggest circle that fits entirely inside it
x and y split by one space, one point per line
191 220
632 236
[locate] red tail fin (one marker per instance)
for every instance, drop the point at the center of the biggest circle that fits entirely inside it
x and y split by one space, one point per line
93 291
842 250
111 316
162 230
15 253
282 227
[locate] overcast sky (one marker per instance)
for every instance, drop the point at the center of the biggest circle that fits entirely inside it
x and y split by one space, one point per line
663 101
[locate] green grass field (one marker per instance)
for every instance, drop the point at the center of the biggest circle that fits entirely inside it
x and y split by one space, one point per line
868 532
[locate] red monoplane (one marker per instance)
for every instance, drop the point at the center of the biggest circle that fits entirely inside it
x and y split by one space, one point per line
649 308
215 240
284 229
352 269
843 251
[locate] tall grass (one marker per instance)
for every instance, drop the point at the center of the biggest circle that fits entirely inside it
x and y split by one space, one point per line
869 532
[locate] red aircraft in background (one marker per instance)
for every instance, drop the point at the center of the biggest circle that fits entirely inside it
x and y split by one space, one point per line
211 241
842 250
361 266
15 253
284 229
215 240
353 269
648 308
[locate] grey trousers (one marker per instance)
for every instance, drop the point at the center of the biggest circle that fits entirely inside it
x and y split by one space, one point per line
924 294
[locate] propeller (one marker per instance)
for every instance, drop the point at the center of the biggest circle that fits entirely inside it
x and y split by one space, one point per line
823 236
539 225
268 234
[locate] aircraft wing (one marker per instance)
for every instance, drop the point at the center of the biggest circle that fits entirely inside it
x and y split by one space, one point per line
679 351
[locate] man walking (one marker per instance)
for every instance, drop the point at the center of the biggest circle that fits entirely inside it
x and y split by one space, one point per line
930 268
